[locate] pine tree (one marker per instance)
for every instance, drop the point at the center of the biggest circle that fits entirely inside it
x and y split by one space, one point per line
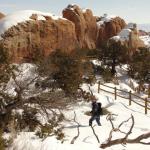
112 54
139 67
68 71
3 55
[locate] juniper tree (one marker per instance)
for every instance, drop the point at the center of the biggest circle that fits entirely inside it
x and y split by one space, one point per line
112 54
139 67
68 71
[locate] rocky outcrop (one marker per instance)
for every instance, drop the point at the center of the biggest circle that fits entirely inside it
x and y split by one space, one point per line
134 40
42 33
85 25
108 28
1 15
129 36
26 40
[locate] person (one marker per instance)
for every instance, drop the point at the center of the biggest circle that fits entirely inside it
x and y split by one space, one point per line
96 111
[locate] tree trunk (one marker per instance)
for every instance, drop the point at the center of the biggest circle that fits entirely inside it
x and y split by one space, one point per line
113 67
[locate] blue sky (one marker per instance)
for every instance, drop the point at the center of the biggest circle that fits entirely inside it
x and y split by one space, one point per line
131 10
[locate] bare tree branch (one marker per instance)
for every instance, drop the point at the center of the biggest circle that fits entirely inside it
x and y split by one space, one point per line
78 131
90 90
92 127
125 139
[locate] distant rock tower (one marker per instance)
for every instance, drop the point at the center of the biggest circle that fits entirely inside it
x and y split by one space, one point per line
134 41
1 15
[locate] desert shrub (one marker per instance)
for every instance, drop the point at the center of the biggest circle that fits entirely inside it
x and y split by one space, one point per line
28 120
88 71
89 79
3 55
107 75
105 111
86 96
52 128
59 134
98 69
45 131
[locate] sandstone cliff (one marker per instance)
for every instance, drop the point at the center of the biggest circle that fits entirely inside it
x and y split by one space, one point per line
134 40
31 37
85 25
27 33
108 27
129 36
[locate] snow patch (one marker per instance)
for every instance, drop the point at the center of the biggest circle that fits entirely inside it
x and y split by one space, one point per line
105 18
146 40
116 38
124 34
84 10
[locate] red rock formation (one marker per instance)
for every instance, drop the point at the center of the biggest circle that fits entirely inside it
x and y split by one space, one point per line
130 38
25 39
109 29
134 40
79 30
85 25
1 15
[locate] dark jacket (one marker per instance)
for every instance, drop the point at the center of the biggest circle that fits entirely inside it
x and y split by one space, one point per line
96 109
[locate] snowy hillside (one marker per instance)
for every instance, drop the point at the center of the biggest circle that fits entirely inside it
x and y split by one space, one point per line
21 16
86 139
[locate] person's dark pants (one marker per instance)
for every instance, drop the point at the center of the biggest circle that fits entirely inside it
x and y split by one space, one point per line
97 118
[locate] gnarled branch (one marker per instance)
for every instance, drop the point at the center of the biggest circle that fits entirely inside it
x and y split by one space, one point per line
92 127
125 139
78 125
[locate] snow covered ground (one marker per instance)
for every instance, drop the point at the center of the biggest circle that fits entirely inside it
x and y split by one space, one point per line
86 139
146 40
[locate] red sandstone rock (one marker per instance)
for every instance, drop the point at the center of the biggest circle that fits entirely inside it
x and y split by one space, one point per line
85 25
25 39
1 15
109 29
78 31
